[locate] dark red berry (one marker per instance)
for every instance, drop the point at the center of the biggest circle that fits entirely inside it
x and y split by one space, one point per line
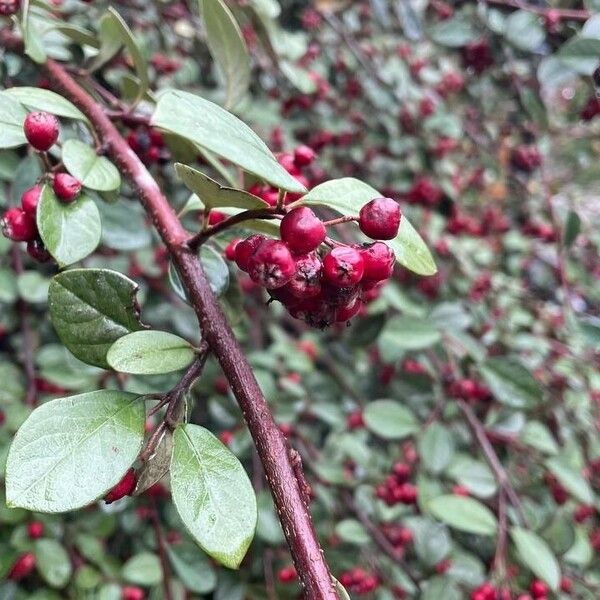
35 530
343 266
346 312
66 187
379 261
123 488
132 592
22 567
380 219
230 249
41 130
17 225
245 249
302 230
272 264
306 281
304 156
30 199
37 250
9 7
287 575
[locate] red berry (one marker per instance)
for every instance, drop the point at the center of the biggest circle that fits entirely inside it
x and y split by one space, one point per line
538 589
306 282
272 264
37 250
22 567
30 199
379 261
19 226
380 219
35 530
230 249
41 130
343 266
287 575
123 488
9 7
245 249
66 187
355 420
286 160
566 585
401 472
132 592
304 156
302 230
215 217
346 312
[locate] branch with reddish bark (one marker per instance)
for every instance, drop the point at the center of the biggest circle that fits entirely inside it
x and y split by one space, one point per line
270 443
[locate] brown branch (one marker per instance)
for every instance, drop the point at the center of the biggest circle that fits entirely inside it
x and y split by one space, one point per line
162 554
270 443
562 13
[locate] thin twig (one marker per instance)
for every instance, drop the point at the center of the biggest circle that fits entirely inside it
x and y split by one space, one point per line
162 554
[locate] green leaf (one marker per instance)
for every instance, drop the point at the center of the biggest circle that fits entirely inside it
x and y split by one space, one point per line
436 447
431 539
353 532
536 555
124 226
39 99
150 353
511 383
390 420
12 116
213 495
454 33
91 309
31 36
8 286
348 195
71 451
53 563
143 569
193 568
70 231
475 475
228 48
464 514
406 333
222 133
571 480
580 54
581 552
214 195
33 287
94 172
572 228
538 436
110 41
524 30
341 590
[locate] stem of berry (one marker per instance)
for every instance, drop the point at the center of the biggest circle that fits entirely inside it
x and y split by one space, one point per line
339 221
270 442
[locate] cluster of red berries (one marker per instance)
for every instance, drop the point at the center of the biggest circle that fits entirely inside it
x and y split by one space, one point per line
19 224
396 488
397 535
543 231
526 157
9 7
477 56
328 289
358 581
469 390
148 144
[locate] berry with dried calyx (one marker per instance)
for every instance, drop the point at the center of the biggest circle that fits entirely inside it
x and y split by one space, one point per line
380 219
302 230
9 7
343 266
306 282
379 261
272 264
41 130
18 225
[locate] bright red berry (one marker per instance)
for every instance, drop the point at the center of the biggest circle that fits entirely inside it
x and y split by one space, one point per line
30 199
380 219
306 282
566 585
379 261
230 249
538 589
132 592
41 130
35 530
22 567
287 575
66 187
17 225
272 264
123 488
302 230
303 156
343 266
9 7
245 249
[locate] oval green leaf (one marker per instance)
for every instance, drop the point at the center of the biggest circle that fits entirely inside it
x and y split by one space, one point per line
150 353
91 309
573 481
71 451
213 495
94 172
390 420
536 556
465 514
70 231
12 116
511 383
53 563
39 99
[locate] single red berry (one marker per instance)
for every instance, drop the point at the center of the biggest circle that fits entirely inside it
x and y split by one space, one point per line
355 420
306 282
287 574
272 264
286 160
245 249
401 472
215 217
380 219
379 261
538 589
123 488
9 7
343 266
30 199
35 530
346 312
37 250
132 592
22 567
566 585
66 187
41 130
230 249
303 156
302 230
19 226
